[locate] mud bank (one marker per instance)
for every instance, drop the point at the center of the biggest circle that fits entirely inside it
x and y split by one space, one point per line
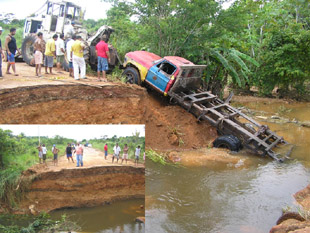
73 103
86 187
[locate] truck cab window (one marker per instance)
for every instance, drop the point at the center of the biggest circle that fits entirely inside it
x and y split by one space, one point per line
166 67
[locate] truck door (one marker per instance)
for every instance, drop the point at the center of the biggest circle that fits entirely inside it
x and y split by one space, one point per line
159 75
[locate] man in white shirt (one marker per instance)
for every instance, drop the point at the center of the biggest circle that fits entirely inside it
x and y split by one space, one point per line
60 52
69 59
137 155
44 152
117 151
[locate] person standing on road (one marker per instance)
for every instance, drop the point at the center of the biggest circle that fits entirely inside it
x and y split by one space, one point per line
125 153
116 151
40 153
11 48
55 151
44 152
1 54
60 52
77 54
105 151
39 47
102 52
79 154
69 45
50 54
137 155
69 153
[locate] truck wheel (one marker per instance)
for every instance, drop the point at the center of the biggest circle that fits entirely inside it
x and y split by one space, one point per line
230 142
132 76
28 50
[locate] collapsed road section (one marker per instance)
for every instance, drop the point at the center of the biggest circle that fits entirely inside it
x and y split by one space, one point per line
72 103
86 187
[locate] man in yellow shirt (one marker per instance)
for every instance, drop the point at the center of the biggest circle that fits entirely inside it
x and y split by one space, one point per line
78 59
50 53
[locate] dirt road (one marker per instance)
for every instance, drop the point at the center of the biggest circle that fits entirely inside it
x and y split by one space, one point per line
91 158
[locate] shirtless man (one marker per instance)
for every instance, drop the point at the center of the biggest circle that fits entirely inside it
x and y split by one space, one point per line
39 46
125 153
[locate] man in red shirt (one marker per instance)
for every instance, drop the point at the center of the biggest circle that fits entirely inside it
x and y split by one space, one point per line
105 151
102 52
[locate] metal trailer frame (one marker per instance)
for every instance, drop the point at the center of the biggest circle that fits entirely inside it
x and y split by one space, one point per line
227 119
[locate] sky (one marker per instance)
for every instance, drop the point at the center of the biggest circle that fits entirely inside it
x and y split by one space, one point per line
95 9
77 132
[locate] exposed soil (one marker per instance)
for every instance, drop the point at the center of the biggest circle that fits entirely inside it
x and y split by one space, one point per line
98 182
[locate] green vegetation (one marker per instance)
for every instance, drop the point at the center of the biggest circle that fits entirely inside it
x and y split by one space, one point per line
156 157
19 25
41 223
17 153
261 43
131 141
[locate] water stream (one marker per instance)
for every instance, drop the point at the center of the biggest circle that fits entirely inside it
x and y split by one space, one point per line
214 196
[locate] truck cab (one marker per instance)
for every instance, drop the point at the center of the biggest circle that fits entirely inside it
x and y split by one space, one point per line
162 74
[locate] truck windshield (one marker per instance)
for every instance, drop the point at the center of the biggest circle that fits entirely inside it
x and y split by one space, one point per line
166 67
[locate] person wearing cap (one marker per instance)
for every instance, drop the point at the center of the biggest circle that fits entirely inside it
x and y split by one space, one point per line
69 30
102 52
1 54
77 56
11 48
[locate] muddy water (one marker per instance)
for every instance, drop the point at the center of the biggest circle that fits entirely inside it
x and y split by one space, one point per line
240 193
117 217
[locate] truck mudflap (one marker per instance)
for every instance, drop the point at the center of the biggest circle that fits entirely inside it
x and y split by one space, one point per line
229 120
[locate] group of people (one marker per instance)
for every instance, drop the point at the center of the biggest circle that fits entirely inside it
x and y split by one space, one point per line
70 150
117 150
68 46
78 149
11 49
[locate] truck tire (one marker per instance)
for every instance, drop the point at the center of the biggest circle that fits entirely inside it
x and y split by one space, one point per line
132 75
230 142
28 50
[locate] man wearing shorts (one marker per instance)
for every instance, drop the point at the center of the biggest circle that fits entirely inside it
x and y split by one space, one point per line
39 46
44 151
60 52
69 45
105 151
50 53
102 52
137 155
40 153
79 154
11 48
55 151
69 153
125 153
116 152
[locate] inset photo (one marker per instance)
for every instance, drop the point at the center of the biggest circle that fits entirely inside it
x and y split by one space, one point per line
72 178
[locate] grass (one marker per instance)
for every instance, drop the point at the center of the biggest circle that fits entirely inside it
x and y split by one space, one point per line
177 132
156 157
282 110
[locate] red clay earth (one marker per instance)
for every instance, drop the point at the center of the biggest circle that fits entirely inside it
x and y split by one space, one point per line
98 182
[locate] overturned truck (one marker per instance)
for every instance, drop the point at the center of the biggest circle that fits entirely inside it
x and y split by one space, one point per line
180 79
